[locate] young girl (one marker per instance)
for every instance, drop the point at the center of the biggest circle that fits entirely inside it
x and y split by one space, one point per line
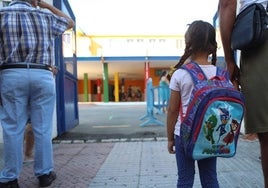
200 41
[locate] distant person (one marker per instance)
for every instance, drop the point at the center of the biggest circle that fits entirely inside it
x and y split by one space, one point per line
27 85
139 95
129 93
164 90
253 69
200 41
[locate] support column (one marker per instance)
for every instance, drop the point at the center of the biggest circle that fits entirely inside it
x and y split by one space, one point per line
99 90
123 89
116 87
146 70
147 75
105 83
85 87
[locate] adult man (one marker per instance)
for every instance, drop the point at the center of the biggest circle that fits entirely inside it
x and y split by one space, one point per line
27 85
253 80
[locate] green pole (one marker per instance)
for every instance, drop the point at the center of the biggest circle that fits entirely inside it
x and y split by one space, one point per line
85 87
105 83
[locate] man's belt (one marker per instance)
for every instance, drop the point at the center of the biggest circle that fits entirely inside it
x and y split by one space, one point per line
25 66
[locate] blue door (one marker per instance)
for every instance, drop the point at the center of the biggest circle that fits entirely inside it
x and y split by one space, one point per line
66 79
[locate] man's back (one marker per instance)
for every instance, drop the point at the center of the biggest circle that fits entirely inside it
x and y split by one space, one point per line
27 34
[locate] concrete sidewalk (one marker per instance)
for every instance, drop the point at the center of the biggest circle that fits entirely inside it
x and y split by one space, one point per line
147 165
137 163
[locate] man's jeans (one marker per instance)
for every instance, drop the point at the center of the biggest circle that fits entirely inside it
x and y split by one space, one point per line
24 92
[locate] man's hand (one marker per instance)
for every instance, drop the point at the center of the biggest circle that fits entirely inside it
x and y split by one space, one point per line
234 72
54 70
171 145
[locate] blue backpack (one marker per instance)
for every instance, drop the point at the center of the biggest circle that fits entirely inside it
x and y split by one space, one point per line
212 122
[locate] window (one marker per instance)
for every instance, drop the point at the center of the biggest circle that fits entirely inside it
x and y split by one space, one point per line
152 40
129 40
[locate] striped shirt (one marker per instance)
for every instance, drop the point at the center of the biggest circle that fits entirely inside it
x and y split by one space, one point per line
27 34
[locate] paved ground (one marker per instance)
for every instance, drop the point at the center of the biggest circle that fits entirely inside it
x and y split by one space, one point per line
100 121
133 161
148 165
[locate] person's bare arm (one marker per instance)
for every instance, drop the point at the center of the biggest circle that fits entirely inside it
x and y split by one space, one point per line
227 15
172 116
43 4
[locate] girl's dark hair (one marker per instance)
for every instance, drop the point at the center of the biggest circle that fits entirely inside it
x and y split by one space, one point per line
199 37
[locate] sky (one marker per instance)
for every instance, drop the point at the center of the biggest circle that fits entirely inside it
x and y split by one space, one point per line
140 17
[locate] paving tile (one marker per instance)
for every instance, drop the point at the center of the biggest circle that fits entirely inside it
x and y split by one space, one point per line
139 164
146 164
75 164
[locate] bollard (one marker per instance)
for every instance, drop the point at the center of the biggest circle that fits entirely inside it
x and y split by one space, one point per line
150 106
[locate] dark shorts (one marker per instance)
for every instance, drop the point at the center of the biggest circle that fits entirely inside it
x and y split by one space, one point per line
254 81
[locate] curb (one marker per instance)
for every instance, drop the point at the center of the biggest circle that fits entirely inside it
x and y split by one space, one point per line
154 139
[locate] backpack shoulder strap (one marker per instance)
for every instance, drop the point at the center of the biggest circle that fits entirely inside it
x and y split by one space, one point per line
195 71
222 74
198 75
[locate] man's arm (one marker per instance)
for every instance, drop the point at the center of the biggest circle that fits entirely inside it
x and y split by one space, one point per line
227 15
43 4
